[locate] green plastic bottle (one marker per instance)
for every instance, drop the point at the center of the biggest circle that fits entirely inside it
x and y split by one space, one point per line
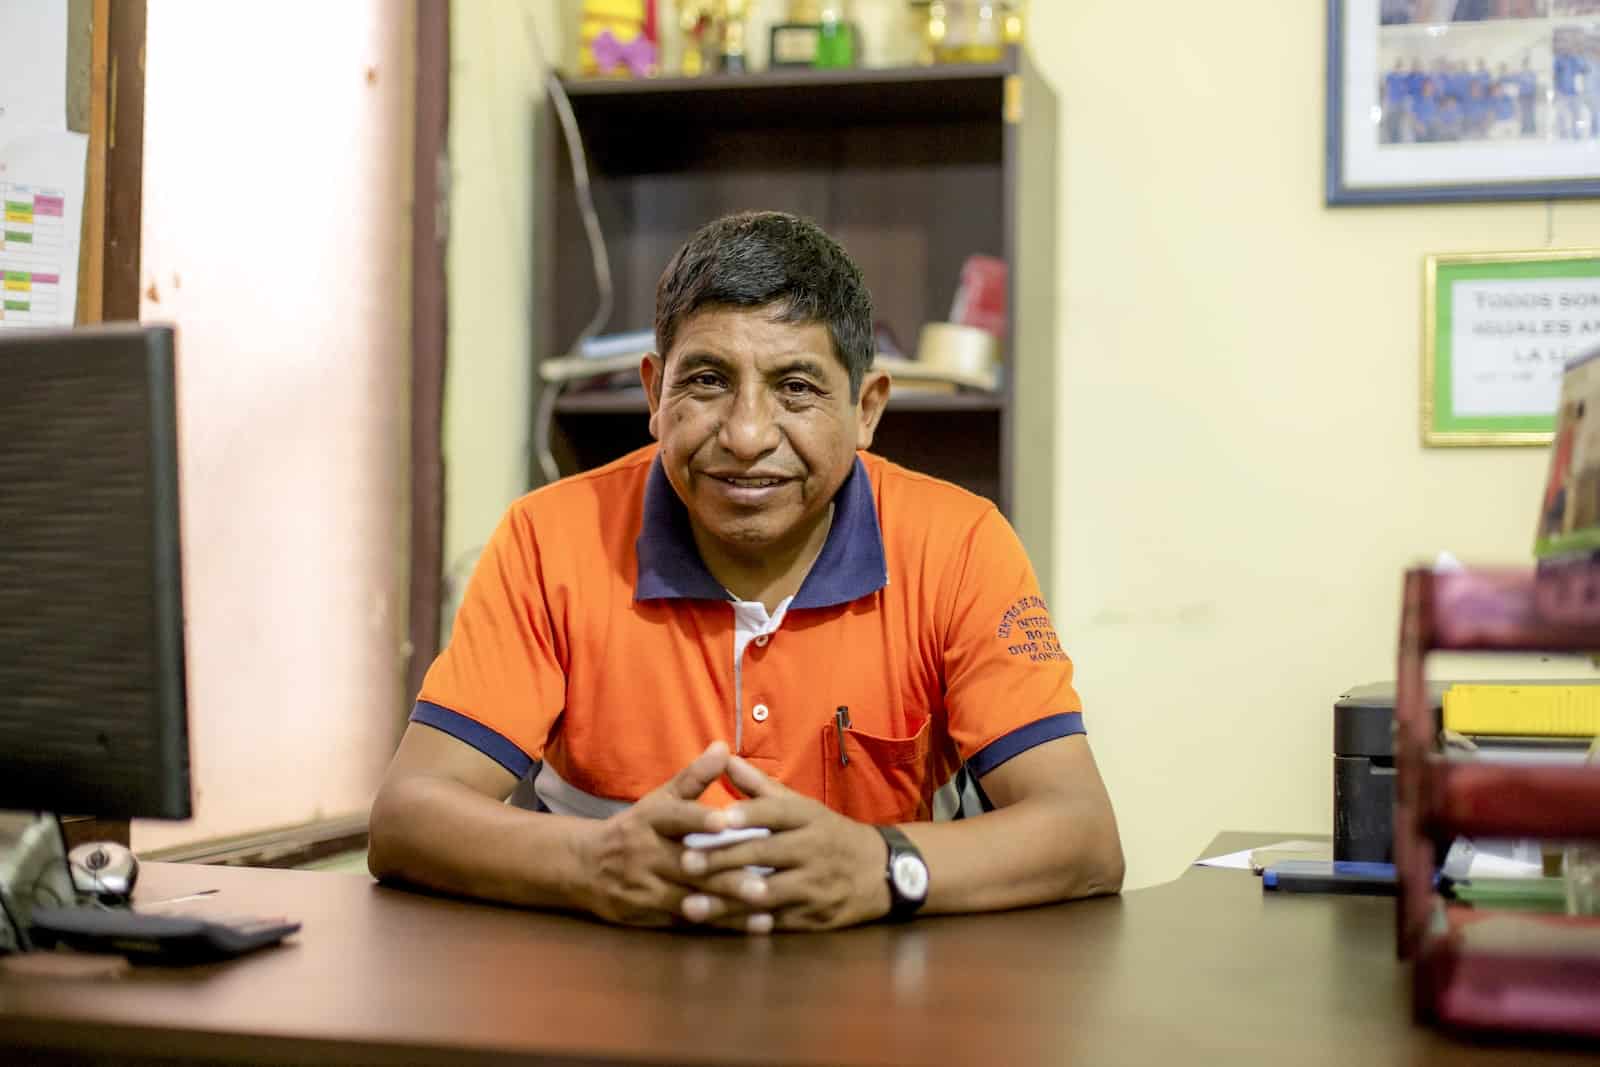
836 41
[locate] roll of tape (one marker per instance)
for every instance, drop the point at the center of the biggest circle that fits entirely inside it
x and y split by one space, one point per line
970 355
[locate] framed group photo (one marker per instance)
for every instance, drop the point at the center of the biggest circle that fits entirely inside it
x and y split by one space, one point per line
1499 331
1448 100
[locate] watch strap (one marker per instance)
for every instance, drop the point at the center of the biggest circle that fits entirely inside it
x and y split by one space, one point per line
901 907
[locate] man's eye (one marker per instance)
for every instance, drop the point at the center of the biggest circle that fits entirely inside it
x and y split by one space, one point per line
705 381
796 387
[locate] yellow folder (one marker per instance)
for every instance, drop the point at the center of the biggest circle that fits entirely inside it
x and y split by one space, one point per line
1523 710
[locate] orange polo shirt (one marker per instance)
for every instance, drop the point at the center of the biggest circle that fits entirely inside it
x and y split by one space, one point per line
595 650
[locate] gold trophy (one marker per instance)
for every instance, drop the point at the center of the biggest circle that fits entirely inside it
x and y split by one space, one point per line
696 20
734 13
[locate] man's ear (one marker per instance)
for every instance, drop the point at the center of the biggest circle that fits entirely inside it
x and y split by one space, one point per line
869 407
651 372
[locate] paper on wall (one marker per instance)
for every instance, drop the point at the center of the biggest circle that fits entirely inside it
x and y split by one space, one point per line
33 65
41 224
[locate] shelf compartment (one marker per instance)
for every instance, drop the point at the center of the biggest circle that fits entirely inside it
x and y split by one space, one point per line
799 97
1489 970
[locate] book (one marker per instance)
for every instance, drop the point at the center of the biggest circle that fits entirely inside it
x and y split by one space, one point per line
1569 517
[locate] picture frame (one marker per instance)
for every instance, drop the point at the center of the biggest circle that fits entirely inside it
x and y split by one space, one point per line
794 44
1453 100
1498 330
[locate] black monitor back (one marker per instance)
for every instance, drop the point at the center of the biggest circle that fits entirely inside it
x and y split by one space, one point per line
93 715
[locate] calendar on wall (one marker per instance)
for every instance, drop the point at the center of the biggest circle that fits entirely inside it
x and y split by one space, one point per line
33 257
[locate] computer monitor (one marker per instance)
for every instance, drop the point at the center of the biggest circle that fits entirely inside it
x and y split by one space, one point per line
93 717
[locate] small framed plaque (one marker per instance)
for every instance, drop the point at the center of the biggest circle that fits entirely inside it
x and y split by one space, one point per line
794 44
1498 330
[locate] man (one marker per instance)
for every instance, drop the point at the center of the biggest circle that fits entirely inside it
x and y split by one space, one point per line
1528 98
1591 83
1477 113
1569 76
1425 114
1396 86
749 625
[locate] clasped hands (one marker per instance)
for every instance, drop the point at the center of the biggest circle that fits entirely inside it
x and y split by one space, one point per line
827 870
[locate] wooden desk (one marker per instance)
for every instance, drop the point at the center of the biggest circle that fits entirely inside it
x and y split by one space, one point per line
1200 970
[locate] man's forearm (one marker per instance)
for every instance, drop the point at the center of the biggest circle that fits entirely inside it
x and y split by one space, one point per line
431 831
1038 850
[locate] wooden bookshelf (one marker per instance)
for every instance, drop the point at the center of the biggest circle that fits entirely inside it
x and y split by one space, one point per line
912 170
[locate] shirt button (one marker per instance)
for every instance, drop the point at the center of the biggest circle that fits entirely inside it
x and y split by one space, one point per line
762 640
759 713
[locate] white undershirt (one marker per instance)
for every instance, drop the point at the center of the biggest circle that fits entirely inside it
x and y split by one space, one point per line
750 623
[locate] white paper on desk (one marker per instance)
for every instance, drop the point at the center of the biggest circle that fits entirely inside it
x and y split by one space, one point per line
33 64
1467 859
41 225
1240 861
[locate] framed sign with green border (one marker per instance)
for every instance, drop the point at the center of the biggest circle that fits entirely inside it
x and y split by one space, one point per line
1498 328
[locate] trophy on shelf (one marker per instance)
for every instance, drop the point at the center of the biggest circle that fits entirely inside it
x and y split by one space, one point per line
734 14
697 19
970 31
815 33
793 42
714 34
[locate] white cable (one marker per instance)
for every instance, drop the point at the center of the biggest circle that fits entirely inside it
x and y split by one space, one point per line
544 414
580 181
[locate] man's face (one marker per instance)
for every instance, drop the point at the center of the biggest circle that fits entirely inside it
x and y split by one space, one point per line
756 426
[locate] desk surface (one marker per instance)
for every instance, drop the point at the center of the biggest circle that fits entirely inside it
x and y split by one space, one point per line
1192 971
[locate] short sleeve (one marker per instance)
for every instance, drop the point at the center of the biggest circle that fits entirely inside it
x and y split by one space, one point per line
1008 681
499 685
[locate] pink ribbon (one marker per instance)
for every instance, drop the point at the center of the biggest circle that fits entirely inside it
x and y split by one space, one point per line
638 55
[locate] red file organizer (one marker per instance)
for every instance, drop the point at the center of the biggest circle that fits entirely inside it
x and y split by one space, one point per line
1482 969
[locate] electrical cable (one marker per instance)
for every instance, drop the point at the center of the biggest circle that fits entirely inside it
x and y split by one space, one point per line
544 414
591 219
586 203
580 180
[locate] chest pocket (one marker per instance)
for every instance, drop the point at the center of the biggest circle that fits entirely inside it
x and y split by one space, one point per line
877 780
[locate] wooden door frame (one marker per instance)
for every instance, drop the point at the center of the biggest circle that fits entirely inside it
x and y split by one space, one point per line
429 325
110 290
108 283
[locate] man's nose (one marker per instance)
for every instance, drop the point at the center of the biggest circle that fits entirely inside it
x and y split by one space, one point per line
751 428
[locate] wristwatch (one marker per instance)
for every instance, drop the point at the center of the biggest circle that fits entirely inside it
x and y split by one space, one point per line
906 873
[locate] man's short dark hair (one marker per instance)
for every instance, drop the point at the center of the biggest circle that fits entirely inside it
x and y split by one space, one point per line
770 259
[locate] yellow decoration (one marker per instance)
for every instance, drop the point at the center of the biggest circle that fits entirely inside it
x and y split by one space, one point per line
625 19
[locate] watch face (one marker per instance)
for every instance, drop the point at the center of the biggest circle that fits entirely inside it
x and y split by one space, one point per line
910 877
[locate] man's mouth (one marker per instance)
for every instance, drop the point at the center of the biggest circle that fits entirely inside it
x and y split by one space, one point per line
750 483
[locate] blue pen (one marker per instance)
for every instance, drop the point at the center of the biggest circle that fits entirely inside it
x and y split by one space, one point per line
1330 876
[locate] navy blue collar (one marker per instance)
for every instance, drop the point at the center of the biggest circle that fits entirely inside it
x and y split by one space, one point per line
850 566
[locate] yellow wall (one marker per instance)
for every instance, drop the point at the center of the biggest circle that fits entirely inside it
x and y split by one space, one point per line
496 87
1239 479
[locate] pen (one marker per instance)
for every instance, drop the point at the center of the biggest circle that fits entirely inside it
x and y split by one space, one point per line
841 719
